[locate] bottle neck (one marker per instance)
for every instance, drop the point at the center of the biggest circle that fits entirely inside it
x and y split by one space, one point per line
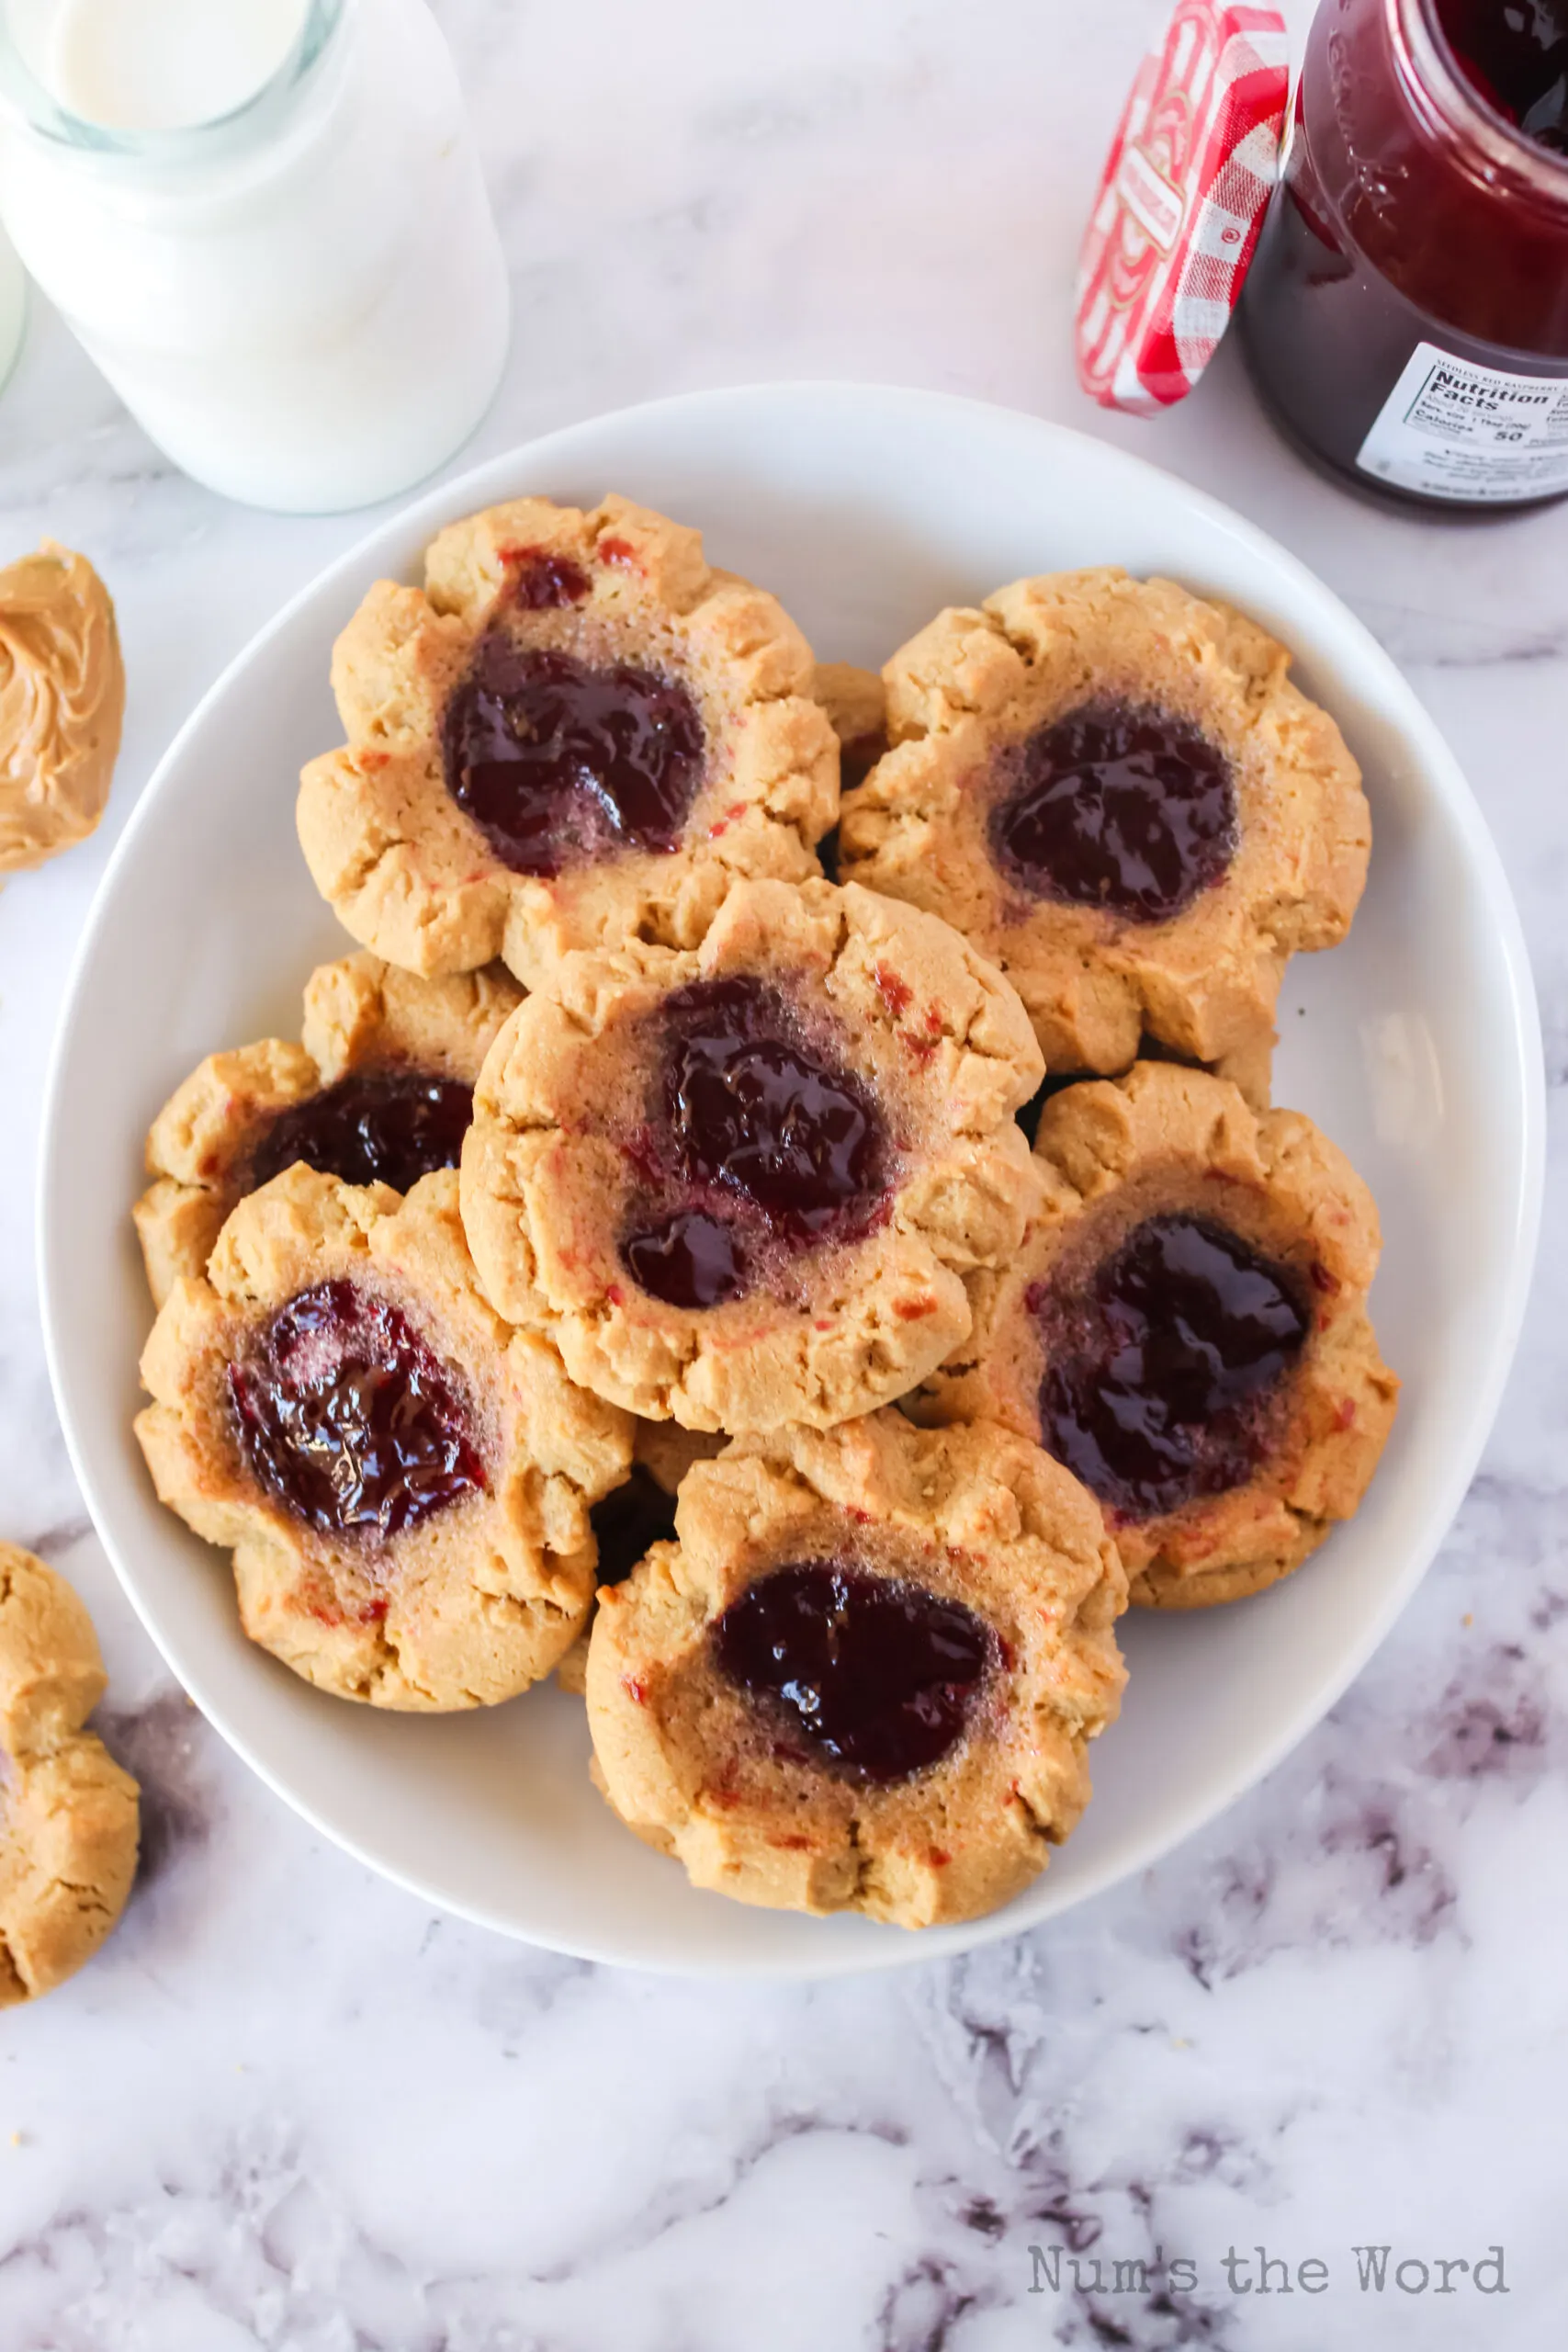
1499 159
1404 172
39 92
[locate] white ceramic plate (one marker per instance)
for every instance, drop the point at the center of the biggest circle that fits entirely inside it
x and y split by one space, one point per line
1416 1046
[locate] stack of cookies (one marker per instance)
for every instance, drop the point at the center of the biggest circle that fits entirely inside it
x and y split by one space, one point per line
639 1271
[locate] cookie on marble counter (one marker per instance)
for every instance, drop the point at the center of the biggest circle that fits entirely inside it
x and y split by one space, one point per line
404 1482
866 1676
68 1813
1186 1328
750 1183
1112 787
575 733
378 1091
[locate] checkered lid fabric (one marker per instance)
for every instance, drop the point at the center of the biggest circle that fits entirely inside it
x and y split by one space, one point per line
1177 220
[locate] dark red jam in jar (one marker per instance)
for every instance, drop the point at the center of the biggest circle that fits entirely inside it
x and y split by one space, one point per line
1406 314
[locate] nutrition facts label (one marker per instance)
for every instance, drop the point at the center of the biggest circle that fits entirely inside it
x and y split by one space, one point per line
1453 429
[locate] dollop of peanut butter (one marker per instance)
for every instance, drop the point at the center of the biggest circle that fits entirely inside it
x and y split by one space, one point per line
62 701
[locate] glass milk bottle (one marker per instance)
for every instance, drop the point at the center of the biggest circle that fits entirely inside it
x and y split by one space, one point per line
267 222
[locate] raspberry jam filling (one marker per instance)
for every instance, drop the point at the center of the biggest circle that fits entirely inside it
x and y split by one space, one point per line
637 1514
1159 1373
376 1126
541 581
345 1415
760 1146
688 1260
1514 53
1115 807
559 763
877 1674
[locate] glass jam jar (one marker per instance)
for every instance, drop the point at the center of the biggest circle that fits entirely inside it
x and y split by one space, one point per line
1406 315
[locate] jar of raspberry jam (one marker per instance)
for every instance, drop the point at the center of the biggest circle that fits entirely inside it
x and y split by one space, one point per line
1405 317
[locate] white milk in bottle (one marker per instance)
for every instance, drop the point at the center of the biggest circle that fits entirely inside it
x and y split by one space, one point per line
267 222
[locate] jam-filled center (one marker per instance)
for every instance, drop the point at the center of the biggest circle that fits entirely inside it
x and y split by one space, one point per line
1515 52
373 1126
1160 1371
558 762
345 1415
1116 807
876 1673
689 1259
762 1113
761 1142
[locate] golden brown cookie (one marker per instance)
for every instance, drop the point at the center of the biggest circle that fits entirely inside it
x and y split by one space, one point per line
1250 1068
379 1090
1113 789
577 733
1186 1328
61 704
748 1183
404 1482
866 1675
1250 1071
68 1814
638 1514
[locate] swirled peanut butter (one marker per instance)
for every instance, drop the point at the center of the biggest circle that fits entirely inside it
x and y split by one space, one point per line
61 701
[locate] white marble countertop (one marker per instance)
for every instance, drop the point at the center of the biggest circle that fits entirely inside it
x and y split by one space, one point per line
288 2107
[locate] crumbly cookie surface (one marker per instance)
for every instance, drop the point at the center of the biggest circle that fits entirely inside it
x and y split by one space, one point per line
1170 1142
461 1607
717 1776
558 1159
68 1813
413 876
361 1017
977 687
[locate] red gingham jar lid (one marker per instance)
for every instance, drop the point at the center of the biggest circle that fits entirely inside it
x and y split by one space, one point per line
1180 209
